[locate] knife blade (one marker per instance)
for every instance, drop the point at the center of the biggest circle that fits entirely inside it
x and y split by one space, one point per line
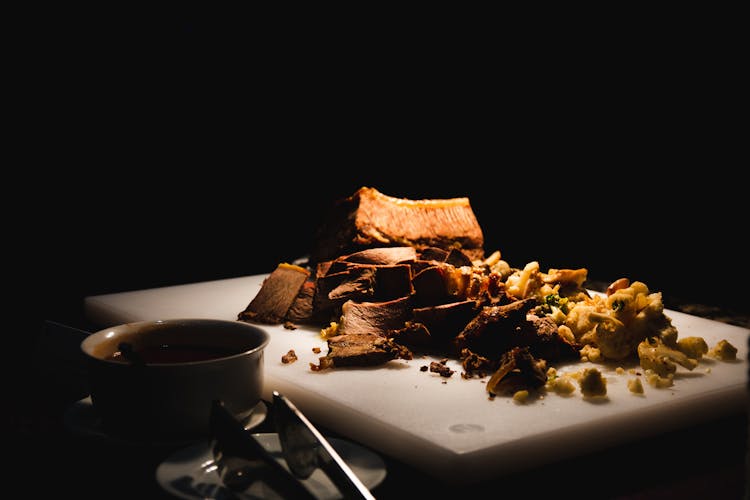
305 449
241 460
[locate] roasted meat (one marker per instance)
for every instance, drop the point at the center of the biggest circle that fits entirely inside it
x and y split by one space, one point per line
497 329
362 350
518 370
369 219
277 295
374 317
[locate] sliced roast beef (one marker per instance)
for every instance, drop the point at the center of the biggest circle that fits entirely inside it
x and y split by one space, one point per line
355 283
446 321
375 283
432 253
382 256
374 317
457 258
497 329
430 286
414 335
392 282
369 219
276 295
301 310
362 350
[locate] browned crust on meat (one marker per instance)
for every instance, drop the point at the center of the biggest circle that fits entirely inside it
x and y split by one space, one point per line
370 219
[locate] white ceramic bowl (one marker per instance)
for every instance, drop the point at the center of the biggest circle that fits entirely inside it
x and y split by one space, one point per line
163 399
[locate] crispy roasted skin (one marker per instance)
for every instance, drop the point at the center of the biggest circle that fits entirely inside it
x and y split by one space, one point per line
369 219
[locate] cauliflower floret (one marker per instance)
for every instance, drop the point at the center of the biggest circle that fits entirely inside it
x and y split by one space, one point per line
579 318
612 337
661 359
724 351
575 277
528 283
590 353
617 324
692 347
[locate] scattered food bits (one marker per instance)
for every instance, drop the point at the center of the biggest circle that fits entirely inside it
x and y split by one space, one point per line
724 351
654 380
521 396
708 370
635 386
592 383
423 368
561 385
325 362
633 371
440 368
289 357
330 331
620 370
289 325
316 350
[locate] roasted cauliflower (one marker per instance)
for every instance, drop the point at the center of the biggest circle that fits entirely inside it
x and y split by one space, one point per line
661 359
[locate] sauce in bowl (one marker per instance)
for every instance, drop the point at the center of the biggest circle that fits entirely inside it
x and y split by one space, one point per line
175 353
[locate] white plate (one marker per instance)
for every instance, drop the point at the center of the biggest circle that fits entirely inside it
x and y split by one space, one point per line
191 473
82 419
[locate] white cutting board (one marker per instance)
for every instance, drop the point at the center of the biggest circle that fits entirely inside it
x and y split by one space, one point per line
448 427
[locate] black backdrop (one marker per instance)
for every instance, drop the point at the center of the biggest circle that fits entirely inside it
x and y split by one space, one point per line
176 150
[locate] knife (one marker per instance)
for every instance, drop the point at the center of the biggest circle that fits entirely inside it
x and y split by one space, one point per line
305 449
241 460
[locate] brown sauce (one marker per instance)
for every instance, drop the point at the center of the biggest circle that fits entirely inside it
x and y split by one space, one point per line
171 353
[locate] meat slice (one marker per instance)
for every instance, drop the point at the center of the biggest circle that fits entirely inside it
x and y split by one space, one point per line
362 350
457 258
415 335
301 310
374 317
383 256
430 286
442 283
432 253
497 329
446 321
276 295
369 219
376 283
356 282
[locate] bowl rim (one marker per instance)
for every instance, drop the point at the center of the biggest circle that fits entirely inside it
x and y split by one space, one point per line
86 345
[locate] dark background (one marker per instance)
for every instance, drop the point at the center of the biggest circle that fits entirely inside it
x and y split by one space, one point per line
160 148
185 148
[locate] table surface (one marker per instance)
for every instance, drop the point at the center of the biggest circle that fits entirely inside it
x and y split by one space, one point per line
701 461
